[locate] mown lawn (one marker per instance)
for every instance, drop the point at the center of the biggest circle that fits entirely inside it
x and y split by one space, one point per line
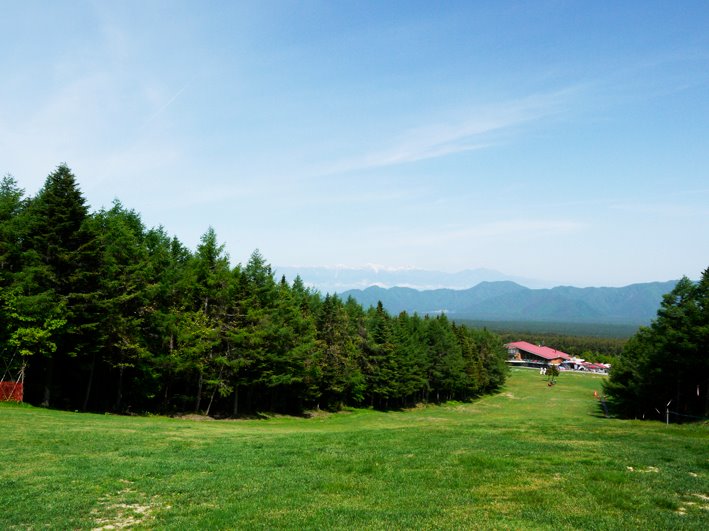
532 457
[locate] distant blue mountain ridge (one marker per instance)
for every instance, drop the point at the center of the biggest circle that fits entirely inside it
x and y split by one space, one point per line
636 304
493 297
341 278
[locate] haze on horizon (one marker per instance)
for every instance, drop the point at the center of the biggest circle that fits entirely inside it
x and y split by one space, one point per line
562 141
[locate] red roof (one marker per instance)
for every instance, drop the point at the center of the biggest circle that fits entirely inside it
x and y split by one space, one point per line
543 352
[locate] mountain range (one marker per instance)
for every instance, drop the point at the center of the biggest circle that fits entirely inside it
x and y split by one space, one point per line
340 278
635 304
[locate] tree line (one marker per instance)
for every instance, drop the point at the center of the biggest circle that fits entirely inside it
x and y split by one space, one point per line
101 313
666 365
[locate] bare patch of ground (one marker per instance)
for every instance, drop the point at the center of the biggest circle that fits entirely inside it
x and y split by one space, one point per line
125 509
651 469
193 416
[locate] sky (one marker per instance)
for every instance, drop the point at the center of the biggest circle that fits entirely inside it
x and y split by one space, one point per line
558 140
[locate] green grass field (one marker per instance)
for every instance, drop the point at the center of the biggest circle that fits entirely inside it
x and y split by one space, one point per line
532 457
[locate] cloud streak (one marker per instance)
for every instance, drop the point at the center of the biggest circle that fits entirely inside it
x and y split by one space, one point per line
449 137
162 109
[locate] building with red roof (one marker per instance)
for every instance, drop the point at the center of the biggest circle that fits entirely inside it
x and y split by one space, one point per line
523 351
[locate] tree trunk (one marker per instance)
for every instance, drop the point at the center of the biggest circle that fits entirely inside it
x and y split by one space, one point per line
119 391
235 411
89 383
48 383
214 391
198 399
211 399
166 392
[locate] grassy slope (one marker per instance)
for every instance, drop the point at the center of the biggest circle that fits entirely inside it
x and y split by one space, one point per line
530 457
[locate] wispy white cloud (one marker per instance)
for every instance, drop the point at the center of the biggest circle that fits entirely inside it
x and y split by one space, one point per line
471 130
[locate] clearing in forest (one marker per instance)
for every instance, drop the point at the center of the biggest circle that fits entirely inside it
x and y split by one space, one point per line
532 456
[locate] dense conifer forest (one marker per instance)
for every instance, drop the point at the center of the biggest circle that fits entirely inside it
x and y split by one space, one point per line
664 368
100 313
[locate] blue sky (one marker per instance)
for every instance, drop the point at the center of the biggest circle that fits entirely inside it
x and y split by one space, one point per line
559 140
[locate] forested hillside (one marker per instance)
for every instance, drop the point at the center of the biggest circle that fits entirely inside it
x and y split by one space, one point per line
507 301
101 313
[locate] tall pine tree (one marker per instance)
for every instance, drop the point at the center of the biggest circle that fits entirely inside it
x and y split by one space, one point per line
59 278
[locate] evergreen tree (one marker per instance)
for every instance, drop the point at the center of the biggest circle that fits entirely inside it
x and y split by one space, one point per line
123 296
447 367
288 362
12 205
380 360
411 353
212 275
339 376
475 374
169 281
256 295
59 276
211 292
492 355
668 361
